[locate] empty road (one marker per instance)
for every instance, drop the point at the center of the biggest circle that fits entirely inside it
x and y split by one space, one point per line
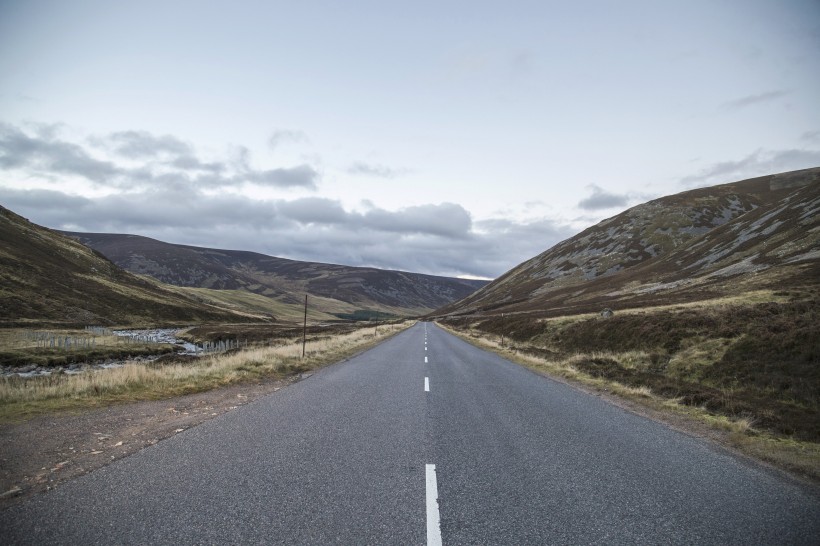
424 440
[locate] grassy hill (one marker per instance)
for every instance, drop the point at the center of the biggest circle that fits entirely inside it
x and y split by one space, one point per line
49 279
714 296
709 242
338 290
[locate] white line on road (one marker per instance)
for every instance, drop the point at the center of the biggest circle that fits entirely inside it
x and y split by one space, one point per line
433 526
425 360
426 384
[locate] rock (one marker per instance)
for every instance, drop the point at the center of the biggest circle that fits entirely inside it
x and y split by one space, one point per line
607 312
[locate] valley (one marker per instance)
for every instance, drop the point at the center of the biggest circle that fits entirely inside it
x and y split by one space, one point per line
697 309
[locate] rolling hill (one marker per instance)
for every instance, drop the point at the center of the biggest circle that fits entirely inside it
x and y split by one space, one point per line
339 290
49 279
761 233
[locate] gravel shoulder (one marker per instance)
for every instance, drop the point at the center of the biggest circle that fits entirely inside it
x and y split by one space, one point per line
41 453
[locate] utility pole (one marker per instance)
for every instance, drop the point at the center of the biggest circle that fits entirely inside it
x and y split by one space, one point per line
502 329
304 329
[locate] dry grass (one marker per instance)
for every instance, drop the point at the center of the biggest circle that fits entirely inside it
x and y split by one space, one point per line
24 397
21 347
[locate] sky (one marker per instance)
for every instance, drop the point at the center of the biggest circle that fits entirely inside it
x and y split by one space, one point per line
450 138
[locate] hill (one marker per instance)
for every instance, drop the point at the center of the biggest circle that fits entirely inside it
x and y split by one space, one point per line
343 291
761 233
47 278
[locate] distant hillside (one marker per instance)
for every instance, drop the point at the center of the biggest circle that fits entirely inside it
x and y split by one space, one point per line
341 290
754 234
47 278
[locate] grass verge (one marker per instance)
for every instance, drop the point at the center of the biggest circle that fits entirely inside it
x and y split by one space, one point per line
23 398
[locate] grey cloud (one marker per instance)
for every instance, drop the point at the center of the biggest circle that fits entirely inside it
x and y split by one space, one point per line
446 220
284 136
601 199
142 144
314 210
379 171
750 100
811 136
758 163
434 239
303 176
45 155
192 163
17 150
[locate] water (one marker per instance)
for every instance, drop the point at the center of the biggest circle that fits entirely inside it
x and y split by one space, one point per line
153 335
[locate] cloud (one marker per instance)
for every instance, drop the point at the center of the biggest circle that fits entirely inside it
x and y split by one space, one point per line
170 196
437 239
379 171
286 136
811 136
301 176
750 100
45 152
314 210
142 144
446 220
162 160
601 199
758 163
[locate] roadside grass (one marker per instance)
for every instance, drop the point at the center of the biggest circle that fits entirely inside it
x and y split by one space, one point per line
23 398
749 371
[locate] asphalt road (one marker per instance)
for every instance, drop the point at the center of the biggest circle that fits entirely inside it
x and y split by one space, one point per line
424 439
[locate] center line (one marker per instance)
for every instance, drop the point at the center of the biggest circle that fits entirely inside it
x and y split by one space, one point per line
426 384
425 360
433 526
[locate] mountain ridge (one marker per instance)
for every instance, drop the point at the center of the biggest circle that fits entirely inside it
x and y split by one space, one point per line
49 278
641 245
364 289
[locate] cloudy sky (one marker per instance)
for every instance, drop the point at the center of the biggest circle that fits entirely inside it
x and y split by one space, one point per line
453 138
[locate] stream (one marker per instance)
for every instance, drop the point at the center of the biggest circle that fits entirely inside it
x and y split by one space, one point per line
154 335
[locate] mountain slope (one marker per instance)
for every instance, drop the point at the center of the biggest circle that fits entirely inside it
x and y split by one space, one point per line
46 277
676 248
342 290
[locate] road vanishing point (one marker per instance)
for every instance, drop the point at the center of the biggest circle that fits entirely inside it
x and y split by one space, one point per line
425 439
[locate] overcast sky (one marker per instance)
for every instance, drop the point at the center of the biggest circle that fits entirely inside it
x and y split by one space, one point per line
453 138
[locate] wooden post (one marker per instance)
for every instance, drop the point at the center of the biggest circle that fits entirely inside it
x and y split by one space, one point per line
502 329
304 329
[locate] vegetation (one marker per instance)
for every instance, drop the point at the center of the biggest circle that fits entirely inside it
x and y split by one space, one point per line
753 368
21 398
22 347
365 315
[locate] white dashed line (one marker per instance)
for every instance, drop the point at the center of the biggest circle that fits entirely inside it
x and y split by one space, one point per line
426 384
433 526
425 360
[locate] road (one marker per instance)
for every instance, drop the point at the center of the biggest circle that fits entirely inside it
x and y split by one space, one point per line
424 440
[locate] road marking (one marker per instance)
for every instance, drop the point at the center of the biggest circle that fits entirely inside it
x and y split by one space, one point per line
425 360
433 526
426 384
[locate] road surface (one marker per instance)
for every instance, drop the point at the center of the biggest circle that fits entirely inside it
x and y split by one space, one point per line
424 440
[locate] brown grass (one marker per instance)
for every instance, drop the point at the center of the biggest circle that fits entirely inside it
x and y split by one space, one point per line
21 398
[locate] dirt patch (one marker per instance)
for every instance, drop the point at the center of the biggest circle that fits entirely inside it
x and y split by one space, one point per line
41 453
